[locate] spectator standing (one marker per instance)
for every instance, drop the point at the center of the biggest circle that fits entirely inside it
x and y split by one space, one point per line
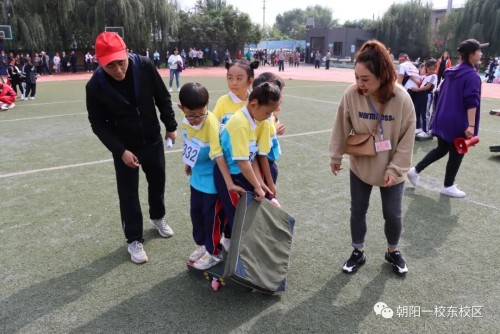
156 59
443 63
31 76
64 62
57 63
317 59
45 63
73 61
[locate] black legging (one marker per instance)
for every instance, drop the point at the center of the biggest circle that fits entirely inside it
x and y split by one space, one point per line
454 160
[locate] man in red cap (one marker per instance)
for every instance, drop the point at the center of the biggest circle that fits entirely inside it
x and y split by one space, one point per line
121 99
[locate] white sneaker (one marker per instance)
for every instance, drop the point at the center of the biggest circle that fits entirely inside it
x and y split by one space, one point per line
10 106
24 98
4 106
225 243
137 253
199 252
207 261
31 97
413 176
452 191
178 89
170 89
417 131
162 227
423 136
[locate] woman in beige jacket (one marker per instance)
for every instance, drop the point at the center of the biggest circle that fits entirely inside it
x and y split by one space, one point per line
358 112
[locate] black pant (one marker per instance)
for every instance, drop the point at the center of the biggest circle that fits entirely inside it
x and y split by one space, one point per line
392 201
454 160
327 64
30 90
281 65
152 160
316 64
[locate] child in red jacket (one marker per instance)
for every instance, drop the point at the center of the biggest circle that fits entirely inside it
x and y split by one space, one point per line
7 96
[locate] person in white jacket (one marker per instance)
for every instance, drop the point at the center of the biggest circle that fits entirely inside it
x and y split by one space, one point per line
176 65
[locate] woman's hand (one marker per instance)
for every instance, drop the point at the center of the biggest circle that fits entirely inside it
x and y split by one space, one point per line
389 180
469 132
336 168
187 170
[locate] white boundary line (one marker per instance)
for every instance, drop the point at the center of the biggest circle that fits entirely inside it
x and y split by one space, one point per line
90 163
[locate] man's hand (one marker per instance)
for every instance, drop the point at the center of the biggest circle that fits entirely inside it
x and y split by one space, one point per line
172 135
130 159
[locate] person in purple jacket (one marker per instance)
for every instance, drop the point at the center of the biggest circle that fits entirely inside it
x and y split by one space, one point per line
456 116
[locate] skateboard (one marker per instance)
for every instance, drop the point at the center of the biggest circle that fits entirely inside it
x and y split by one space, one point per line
214 275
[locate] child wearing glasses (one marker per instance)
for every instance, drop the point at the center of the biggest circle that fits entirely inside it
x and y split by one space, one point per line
239 143
200 153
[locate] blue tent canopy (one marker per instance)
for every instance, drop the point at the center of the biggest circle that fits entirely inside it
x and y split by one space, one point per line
286 45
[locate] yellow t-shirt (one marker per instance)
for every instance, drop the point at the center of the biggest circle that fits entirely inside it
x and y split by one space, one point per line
226 106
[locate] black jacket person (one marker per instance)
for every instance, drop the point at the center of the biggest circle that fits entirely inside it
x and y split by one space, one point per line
123 96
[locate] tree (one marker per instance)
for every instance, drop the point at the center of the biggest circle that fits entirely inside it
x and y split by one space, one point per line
292 24
365 24
61 24
480 19
406 28
215 24
444 37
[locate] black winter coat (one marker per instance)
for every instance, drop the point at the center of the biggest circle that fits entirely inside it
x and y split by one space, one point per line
119 124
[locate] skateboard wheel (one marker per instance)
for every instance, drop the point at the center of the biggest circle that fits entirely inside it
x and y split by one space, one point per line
221 280
215 284
206 275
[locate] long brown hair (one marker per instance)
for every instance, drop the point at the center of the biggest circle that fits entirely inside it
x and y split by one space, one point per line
376 58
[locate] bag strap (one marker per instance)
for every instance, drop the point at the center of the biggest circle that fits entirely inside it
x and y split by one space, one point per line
380 113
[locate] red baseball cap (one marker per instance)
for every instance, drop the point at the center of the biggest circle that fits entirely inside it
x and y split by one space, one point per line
109 46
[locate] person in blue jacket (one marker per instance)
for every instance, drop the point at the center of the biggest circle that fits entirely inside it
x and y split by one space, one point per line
456 116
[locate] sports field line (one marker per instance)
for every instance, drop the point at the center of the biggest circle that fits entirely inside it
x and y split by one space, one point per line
310 99
90 163
41 117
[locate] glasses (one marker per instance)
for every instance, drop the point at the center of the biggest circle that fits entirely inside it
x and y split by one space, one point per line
194 118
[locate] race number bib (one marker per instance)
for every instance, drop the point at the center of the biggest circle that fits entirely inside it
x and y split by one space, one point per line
190 152
253 152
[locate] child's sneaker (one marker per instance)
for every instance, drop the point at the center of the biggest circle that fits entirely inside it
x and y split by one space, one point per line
398 264
199 252
356 260
10 106
137 253
31 97
207 261
170 89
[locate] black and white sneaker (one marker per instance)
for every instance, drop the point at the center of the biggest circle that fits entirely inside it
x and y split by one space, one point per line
356 260
398 264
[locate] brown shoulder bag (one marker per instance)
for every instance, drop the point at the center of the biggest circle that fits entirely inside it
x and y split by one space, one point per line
363 145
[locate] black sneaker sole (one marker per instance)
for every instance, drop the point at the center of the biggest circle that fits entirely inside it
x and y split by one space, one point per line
394 267
355 269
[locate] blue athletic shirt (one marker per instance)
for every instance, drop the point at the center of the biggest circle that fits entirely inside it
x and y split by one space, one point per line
201 147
